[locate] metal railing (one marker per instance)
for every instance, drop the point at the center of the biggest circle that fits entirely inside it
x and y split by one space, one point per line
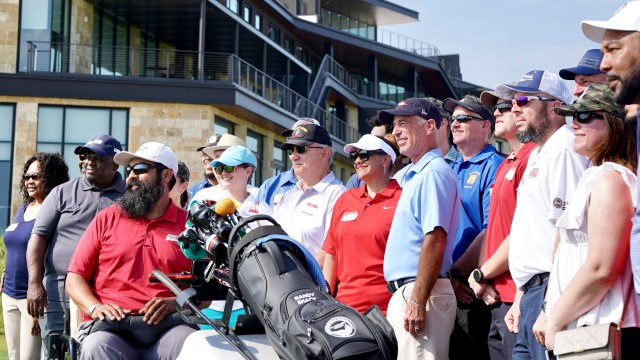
178 64
329 66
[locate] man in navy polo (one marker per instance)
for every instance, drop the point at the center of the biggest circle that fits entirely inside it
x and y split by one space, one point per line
586 73
418 254
472 126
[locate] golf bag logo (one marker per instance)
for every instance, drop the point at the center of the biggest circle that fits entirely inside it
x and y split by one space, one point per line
340 326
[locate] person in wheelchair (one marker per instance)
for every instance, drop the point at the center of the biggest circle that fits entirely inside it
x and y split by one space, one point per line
108 274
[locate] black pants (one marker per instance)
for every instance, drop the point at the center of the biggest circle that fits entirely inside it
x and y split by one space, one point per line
471 331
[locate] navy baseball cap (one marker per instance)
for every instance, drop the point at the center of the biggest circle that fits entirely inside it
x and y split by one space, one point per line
100 145
412 106
306 135
588 65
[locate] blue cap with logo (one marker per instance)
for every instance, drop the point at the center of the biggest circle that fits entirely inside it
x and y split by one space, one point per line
100 145
412 106
537 81
588 65
235 155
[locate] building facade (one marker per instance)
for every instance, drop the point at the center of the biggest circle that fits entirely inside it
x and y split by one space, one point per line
178 71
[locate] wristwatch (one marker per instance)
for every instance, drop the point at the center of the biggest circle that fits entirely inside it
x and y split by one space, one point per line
478 276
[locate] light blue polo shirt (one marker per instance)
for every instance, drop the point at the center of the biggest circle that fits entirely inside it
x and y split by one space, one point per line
276 185
430 198
475 179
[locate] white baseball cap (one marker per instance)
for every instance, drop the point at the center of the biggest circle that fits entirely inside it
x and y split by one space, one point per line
371 142
151 151
627 18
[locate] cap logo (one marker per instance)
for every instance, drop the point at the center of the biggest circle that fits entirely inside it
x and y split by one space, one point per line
95 141
590 62
424 112
526 77
299 132
402 103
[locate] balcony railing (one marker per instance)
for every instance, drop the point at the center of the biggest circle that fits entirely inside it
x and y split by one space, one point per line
177 64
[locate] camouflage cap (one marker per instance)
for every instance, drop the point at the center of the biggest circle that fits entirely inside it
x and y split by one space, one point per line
598 96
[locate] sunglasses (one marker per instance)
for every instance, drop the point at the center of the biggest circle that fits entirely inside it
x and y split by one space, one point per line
143 168
364 154
465 118
91 157
504 107
586 117
524 100
302 149
226 168
34 177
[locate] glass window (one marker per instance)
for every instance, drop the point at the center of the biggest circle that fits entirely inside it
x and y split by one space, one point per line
62 129
223 126
279 159
288 44
234 5
274 33
246 13
254 143
7 119
258 21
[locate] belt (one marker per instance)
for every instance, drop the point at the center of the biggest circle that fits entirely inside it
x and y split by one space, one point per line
536 280
394 285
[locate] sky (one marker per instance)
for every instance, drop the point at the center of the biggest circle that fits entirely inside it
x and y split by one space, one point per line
501 40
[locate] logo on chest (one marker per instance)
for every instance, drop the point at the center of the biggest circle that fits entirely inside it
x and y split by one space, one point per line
471 179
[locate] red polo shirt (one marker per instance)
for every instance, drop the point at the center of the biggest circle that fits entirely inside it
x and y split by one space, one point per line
117 253
357 238
501 209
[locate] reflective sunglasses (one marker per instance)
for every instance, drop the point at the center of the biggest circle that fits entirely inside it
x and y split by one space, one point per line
524 100
504 107
465 118
34 177
143 168
364 154
586 117
226 168
302 149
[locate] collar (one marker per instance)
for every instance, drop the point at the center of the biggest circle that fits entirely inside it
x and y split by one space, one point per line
480 156
288 177
322 185
387 192
424 160
118 184
525 149
452 155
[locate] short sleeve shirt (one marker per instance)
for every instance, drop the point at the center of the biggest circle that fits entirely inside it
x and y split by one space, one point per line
430 198
117 253
357 238
547 186
306 214
64 216
475 177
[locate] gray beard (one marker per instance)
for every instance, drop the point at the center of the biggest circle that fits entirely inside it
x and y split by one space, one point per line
532 134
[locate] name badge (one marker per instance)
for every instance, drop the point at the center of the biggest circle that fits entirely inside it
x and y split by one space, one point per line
277 198
171 238
509 175
12 227
309 208
350 216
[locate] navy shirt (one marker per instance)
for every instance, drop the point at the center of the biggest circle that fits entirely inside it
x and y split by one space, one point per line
16 238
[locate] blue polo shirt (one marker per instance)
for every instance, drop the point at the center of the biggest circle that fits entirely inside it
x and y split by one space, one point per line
475 179
276 185
430 198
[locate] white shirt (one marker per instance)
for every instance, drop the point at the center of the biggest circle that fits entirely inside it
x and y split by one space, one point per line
573 250
547 186
306 215
250 206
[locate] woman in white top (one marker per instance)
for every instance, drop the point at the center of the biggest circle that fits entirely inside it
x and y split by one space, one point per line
591 280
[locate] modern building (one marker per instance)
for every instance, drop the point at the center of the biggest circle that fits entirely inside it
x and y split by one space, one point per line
178 71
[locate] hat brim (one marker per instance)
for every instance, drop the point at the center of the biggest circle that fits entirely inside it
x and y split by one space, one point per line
295 142
287 133
387 150
77 150
228 162
489 98
124 157
506 91
386 116
98 151
570 73
210 150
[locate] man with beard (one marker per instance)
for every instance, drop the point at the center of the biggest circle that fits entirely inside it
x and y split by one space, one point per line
63 218
121 247
620 38
209 177
548 183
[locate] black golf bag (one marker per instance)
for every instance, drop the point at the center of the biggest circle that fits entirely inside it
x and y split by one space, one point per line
283 286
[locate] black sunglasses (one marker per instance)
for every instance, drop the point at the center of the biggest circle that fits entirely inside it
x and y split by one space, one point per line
364 154
504 107
34 177
302 149
465 118
586 117
227 168
143 168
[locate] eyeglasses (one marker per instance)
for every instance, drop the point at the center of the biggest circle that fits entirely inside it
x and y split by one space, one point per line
227 168
302 149
364 154
586 117
504 107
524 100
91 157
34 177
465 118
143 168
